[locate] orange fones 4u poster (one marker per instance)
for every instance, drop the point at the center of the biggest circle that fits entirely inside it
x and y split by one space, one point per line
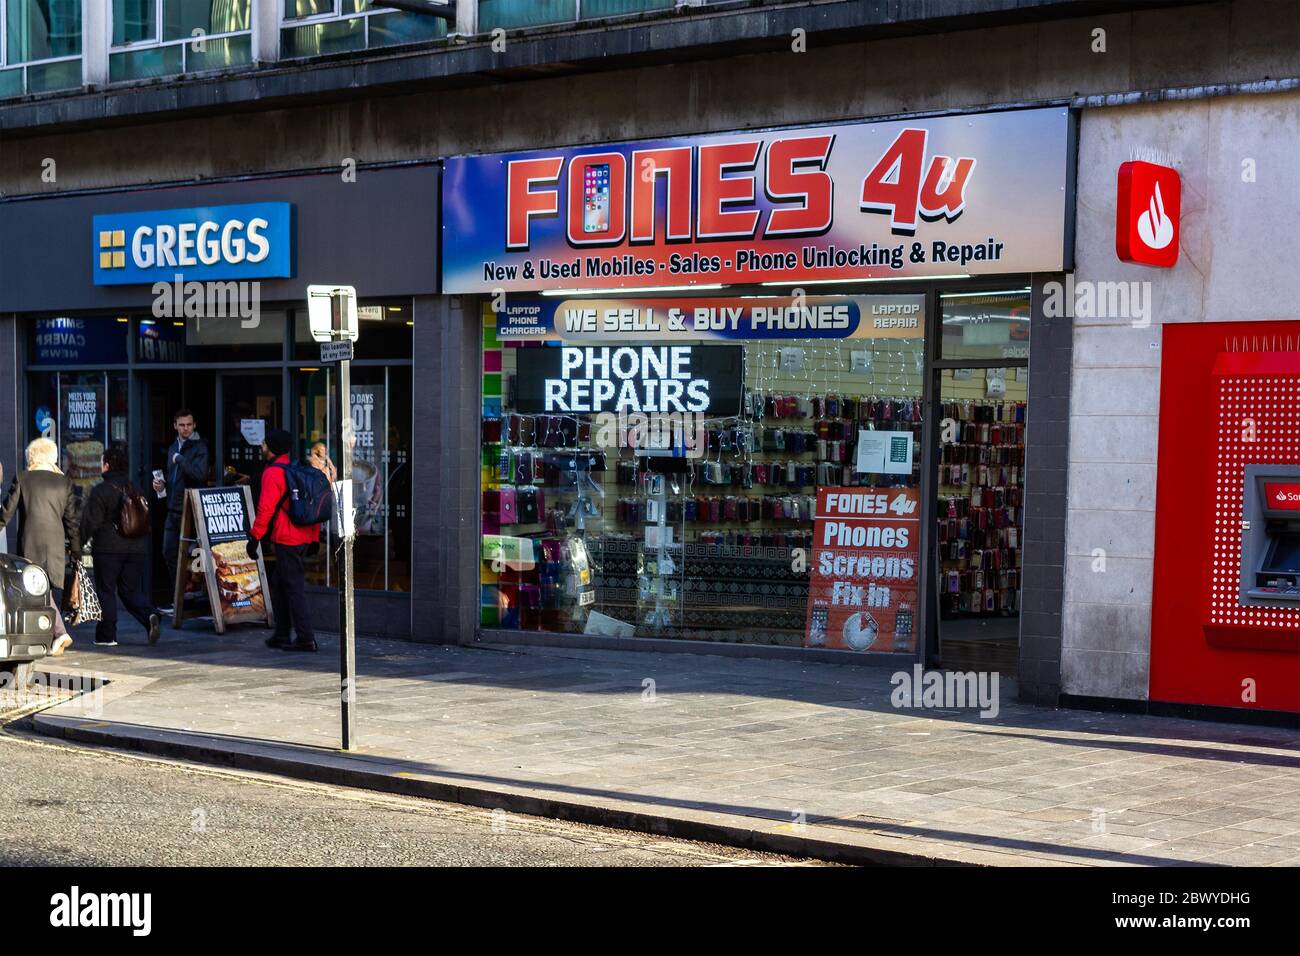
862 593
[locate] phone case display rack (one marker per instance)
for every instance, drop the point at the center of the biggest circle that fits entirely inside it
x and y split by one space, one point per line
981 508
748 501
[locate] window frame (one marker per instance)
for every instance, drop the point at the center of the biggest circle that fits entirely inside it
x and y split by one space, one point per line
335 16
24 64
156 42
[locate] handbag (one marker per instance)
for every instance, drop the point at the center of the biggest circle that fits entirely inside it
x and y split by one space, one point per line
85 601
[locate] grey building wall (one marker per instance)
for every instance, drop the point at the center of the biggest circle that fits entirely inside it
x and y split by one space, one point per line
1047 444
445 458
1236 243
1149 49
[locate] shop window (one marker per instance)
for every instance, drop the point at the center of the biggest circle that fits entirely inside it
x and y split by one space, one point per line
42 46
259 338
381 468
986 325
383 332
316 27
168 37
83 413
584 533
63 340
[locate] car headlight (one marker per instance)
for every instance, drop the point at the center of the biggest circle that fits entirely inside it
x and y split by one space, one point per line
35 581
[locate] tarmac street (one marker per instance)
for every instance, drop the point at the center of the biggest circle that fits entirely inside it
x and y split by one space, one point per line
804 759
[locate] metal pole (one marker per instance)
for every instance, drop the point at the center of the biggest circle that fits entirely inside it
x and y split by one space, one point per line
347 610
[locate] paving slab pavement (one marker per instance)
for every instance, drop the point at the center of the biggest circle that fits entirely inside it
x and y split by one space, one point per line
785 756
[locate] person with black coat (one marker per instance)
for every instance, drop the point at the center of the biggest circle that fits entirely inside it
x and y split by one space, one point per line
45 503
119 561
186 467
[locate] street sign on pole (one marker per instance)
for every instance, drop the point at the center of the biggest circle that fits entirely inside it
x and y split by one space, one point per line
331 352
336 328
321 308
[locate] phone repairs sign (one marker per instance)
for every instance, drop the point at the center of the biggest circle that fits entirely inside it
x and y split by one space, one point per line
644 379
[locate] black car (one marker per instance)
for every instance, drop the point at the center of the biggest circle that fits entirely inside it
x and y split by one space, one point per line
26 619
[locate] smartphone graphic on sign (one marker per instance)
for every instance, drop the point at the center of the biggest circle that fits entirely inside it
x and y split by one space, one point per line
595 198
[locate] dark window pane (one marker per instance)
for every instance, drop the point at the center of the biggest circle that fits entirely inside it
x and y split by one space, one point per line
54 76
335 36
11 83
182 17
986 325
220 54
524 13
161 340
133 21
141 64
41 29
294 9
383 332
614 8
391 28
66 341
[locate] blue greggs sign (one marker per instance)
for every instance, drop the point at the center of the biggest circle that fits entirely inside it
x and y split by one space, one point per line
248 241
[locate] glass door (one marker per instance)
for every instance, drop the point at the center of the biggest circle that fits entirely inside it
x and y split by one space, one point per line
249 404
980 535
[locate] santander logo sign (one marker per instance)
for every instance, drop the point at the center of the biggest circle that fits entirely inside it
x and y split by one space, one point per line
1147 207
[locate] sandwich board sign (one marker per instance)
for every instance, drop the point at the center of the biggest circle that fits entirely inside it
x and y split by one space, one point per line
215 525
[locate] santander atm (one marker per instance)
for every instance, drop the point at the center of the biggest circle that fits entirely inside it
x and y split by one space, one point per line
1270 536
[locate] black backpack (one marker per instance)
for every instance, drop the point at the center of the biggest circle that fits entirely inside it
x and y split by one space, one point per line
308 499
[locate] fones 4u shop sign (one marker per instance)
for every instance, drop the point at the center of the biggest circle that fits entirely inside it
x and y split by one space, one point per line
955 195
247 241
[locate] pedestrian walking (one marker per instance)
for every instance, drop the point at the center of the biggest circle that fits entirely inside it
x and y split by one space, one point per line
186 467
115 521
45 503
292 541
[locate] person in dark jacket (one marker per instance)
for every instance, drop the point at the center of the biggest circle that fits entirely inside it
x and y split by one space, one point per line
186 467
119 561
45 502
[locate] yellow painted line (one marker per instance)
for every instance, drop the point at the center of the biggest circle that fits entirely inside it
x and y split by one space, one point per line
101 723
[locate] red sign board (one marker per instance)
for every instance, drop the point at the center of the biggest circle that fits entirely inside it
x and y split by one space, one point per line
1282 496
862 595
1147 210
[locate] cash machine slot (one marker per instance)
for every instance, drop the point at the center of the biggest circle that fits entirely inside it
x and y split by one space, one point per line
1270 553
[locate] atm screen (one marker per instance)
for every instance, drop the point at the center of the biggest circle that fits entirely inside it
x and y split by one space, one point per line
1285 556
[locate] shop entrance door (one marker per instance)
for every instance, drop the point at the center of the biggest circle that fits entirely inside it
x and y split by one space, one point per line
250 404
980 534
161 395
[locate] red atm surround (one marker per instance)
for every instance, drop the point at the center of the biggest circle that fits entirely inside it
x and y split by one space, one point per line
1202 653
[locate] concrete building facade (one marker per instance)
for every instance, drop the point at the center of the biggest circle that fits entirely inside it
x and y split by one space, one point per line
1211 89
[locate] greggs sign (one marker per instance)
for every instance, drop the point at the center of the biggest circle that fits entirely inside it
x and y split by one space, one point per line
247 241
956 195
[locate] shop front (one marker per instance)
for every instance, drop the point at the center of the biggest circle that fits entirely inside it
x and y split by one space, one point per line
129 306
768 388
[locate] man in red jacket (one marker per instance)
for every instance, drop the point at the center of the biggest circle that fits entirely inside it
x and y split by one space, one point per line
288 584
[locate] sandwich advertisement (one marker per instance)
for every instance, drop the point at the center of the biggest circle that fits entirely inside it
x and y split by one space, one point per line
220 520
